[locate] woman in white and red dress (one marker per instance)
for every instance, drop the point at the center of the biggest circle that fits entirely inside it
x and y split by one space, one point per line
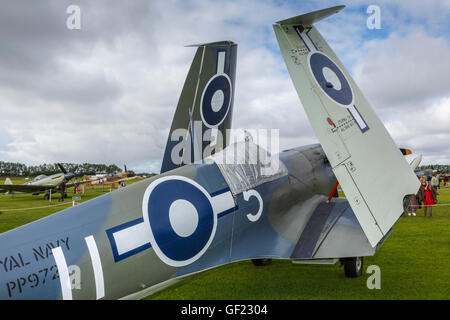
427 194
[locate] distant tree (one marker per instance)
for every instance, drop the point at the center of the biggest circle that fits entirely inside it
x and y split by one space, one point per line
10 169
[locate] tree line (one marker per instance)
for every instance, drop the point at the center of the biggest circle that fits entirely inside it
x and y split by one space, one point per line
11 169
440 168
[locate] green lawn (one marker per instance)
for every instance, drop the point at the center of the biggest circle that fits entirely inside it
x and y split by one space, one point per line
414 263
13 219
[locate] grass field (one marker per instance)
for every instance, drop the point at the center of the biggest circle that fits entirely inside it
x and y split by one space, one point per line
414 263
12 219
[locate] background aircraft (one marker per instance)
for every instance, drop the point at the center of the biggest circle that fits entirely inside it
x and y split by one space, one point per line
43 183
194 216
112 178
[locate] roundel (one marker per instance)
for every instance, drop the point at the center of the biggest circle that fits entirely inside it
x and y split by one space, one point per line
331 79
181 219
216 100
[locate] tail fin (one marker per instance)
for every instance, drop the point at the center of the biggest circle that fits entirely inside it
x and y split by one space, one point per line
372 172
205 107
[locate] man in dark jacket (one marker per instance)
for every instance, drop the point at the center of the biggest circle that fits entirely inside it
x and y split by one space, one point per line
62 189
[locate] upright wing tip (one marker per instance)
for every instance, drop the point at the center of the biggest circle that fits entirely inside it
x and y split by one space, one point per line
312 17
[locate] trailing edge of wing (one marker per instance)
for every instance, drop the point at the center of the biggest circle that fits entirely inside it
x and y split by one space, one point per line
311 17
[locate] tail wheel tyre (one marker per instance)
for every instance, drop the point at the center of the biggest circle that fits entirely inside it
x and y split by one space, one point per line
353 268
261 262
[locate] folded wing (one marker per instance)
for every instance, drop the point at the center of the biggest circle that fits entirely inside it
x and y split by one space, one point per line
372 172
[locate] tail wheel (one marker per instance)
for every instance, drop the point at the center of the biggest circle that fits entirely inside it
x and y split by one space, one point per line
353 267
261 262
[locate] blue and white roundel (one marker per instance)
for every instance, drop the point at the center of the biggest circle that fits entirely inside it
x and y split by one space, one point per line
181 219
331 79
216 100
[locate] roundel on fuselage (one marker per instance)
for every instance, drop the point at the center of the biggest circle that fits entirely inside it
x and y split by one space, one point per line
216 100
331 79
181 219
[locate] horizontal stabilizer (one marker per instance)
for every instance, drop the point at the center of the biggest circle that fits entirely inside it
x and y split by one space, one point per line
309 18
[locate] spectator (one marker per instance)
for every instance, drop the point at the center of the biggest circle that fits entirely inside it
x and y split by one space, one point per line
62 189
427 194
435 181
412 205
446 181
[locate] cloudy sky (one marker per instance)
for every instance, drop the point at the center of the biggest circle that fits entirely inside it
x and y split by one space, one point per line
106 93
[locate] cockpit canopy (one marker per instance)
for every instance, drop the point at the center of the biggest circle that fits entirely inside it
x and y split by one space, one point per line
42 176
246 165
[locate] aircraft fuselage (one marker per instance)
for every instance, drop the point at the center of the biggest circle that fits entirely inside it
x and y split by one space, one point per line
128 241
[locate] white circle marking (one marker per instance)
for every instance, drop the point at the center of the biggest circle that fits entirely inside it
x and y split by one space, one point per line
183 217
229 102
331 77
217 100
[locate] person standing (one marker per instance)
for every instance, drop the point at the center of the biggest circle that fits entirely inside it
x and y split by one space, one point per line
412 205
427 194
435 181
62 189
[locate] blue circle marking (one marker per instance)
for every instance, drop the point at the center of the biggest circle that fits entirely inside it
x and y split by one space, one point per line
212 115
343 95
172 248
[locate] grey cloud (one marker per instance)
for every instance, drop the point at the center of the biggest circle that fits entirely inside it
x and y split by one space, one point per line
109 90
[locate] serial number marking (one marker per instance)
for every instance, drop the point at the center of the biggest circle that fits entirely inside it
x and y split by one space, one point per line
344 124
32 280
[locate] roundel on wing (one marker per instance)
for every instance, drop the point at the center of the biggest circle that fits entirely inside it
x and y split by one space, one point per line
331 79
181 218
216 100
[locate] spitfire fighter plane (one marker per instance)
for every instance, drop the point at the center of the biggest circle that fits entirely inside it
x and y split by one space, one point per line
209 208
43 184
